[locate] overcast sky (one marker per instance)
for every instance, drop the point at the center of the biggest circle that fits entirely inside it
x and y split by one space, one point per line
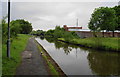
46 15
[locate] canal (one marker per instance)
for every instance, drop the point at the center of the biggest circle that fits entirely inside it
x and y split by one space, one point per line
75 60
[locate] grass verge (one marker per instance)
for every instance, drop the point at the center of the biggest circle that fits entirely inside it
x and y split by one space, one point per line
109 44
53 68
17 46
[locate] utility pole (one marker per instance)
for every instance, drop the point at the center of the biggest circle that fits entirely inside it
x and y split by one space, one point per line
8 40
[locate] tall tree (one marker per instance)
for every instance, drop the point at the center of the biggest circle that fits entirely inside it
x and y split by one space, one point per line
4 30
108 19
94 24
58 33
117 10
103 18
23 26
15 28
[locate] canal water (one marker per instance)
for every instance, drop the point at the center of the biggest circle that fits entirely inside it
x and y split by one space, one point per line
75 60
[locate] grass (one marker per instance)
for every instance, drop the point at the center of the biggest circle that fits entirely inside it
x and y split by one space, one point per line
17 46
0 51
97 43
51 67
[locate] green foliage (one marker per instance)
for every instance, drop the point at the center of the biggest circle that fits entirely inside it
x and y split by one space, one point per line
16 27
17 46
95 20
110 44
21 26
103 18
74 34
49 33
38 32
4 30
117 10
108 19
33 32
59 32
68 36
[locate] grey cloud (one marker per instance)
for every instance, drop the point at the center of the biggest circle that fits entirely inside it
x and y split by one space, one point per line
46 15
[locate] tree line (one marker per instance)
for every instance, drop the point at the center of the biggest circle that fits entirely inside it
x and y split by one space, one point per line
19 26
105 19
58 32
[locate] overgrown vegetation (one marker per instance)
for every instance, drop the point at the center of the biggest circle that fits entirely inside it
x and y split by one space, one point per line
58 32
9 65
19 26
18 43
109 44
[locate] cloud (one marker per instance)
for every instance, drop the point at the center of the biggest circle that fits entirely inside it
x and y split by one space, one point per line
72 15
63 0
47 18
46 15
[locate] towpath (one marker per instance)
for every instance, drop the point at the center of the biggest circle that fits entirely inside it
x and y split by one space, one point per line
32 61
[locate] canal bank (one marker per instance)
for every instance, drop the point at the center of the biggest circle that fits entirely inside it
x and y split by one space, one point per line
52 67
74 60
103 44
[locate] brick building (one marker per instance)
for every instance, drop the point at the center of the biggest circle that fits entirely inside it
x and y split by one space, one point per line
67 28
87 33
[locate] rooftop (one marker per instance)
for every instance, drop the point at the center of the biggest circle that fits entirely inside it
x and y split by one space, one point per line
87 30
78 30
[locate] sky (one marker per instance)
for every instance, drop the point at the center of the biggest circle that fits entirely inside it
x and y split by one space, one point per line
46 15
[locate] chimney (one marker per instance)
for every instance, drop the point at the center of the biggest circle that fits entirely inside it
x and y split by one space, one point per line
77 23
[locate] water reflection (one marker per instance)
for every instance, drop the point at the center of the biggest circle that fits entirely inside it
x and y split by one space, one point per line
42 38
58 44
89 61
104 63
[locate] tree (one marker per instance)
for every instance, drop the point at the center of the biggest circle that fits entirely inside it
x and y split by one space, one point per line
15 28
50 33
103 18
40 32
33 32
4 30
117 11
108 19
95 22
58 33
24 27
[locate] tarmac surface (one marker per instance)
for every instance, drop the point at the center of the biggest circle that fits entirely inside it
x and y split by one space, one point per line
32 61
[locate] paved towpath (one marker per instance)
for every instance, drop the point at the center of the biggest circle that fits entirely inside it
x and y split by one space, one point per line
32 61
